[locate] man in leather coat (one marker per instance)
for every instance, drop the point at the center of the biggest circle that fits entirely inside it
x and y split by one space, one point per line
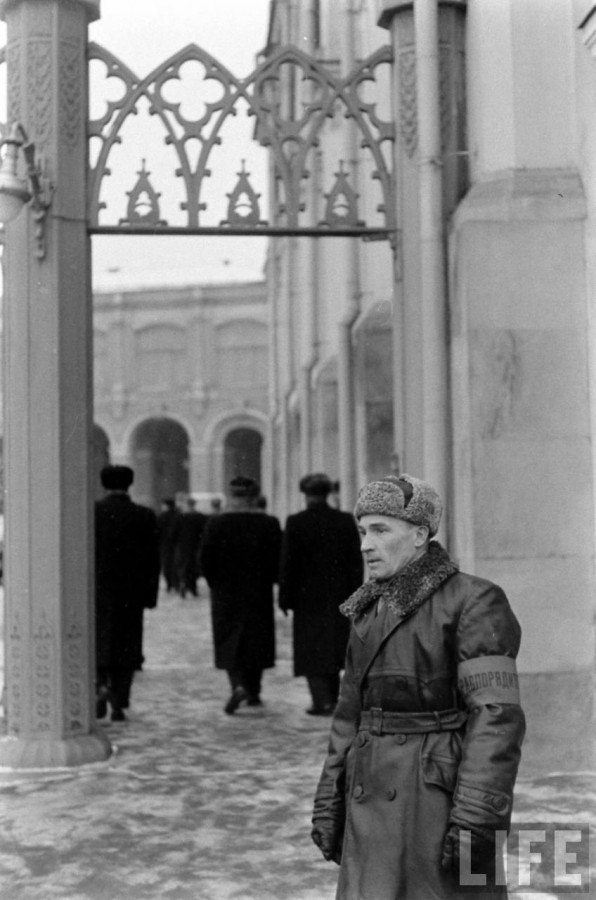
416 790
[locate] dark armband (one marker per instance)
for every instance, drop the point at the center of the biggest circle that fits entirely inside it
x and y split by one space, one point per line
488 679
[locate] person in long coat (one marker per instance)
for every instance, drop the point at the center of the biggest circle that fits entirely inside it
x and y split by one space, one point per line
126 583
166 529
425 742
321 565
240 560
187 536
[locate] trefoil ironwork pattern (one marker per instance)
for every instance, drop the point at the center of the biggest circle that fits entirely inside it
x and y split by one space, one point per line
291 98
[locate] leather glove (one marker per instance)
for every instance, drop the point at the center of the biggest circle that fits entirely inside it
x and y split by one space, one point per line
482 849
325 837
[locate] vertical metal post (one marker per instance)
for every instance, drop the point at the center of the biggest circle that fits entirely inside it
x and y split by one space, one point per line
48 402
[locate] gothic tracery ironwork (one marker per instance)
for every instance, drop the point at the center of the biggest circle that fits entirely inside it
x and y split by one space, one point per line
291 131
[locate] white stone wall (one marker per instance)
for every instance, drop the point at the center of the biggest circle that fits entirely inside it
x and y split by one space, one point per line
197 355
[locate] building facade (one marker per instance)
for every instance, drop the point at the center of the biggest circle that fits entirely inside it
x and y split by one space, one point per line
460 351
471 362
181 386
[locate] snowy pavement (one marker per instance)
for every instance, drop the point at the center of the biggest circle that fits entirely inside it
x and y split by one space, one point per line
197 805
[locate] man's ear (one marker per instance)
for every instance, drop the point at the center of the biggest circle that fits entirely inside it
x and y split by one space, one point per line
422 535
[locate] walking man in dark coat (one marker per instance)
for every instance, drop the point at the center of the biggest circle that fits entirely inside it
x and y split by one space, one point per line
240 560
126 583
167 522
321 565
188 534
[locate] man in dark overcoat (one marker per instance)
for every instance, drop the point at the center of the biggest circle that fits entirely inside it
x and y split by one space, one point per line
240 560
126 583
188 534
166 527
321 565
416 791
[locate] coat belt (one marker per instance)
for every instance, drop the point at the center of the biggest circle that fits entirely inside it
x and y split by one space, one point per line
377 721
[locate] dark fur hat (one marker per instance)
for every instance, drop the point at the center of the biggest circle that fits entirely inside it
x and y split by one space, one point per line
117 478
244 487
403 497
316 485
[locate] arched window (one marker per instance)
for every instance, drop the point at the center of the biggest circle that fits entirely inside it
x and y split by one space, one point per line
159 452
242 454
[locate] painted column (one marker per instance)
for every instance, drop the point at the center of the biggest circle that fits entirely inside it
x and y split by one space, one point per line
428 108
117 357
436 450
311 299
198 337
200 470
351 266
48 405
521 351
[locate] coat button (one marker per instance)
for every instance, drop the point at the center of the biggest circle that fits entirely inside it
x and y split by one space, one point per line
391 794
358 791
362 739
400 738
499 802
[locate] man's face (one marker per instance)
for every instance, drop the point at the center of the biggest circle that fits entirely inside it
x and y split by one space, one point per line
389 544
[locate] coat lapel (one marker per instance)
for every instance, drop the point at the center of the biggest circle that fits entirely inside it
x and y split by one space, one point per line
373 643
403 594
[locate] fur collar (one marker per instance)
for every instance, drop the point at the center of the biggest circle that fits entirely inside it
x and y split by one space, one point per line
408 588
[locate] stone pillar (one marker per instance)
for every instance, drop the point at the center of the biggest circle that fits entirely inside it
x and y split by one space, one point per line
520 363
117 339
200 470
415 333
48 405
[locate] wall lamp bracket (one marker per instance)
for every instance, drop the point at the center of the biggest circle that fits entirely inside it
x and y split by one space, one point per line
16 191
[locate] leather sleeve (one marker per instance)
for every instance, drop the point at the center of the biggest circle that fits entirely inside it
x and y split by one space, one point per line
487 642
329 802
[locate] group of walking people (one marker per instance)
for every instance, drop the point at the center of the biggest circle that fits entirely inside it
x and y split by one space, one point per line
180 527
317 562
416 789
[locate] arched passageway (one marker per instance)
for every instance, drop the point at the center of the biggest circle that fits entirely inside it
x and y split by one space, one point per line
242 454
159 453
101 457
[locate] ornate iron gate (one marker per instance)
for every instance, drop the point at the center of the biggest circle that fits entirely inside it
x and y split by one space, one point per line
292 98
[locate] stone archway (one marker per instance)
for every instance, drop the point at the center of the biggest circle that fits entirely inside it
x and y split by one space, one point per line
159 451
243 454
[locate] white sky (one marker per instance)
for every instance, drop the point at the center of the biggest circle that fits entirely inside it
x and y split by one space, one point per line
143 33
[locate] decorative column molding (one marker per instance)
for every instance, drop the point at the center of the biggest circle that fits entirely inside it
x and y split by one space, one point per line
421 399
48 405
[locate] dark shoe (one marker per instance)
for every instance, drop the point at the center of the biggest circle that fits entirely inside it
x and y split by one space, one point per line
321 710
255 701
239 695
118 715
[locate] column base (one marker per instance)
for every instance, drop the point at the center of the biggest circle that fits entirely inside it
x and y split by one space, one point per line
22 753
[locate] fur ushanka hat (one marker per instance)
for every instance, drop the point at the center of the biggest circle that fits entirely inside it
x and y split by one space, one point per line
402 497
116 478
316 485
242 486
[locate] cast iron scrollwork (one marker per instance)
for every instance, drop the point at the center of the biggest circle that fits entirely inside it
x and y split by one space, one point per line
290 131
